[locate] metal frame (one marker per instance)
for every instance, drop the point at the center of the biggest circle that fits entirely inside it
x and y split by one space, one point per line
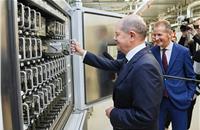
77 33
10 92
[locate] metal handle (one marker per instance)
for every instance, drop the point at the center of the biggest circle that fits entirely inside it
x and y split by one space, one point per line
51 70
27 113
33 20
37 98
41 94
29 77
50 93
22 48
35 81
48 70
39 48
38 21
57 85
46 99
21 9
28 48
27 17
34 47
53 89
25 82
44 72
40 74
61 86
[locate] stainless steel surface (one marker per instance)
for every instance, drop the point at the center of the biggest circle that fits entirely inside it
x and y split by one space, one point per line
11 98
98 34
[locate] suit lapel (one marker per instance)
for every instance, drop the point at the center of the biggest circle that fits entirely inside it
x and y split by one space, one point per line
158 57
174 54
128 66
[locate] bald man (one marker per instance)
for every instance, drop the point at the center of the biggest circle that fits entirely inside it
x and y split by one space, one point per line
138 89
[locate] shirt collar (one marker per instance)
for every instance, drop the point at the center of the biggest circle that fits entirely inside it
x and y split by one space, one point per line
169 47
133 51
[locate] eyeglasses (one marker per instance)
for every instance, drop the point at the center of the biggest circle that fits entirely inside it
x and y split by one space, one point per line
196 26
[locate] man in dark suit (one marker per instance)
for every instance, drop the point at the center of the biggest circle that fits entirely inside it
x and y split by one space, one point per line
138 89
194 46
174 60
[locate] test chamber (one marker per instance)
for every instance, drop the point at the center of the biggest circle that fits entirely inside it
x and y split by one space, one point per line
43 85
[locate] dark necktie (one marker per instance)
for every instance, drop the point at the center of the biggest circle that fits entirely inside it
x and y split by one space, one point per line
125 60
164 60
165 66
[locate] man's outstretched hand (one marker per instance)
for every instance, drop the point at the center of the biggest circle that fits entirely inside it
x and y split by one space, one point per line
76 49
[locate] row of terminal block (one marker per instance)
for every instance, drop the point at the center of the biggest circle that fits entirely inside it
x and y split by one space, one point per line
30 48
30 22
42 107
39 71
56 29
28 19
44 87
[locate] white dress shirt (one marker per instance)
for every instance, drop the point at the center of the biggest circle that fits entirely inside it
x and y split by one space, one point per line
133 51
168 51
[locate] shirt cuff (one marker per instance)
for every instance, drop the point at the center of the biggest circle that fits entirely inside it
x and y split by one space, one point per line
84 55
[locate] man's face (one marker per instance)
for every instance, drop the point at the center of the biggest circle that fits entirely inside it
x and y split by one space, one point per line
122 39
161 36
197 24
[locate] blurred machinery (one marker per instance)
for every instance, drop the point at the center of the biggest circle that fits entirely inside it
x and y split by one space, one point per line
43 85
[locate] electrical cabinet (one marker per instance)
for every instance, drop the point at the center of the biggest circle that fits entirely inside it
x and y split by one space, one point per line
44 86
42 83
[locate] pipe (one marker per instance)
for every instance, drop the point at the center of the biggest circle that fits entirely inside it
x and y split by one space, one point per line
190 6
181 78
143 6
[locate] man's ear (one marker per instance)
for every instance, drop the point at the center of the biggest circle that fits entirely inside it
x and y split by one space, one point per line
132 34
170 34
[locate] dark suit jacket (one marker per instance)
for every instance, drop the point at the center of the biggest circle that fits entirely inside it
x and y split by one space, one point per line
180 92
196 56
192 46
137 91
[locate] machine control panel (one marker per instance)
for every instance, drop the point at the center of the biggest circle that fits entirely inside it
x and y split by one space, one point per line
45 73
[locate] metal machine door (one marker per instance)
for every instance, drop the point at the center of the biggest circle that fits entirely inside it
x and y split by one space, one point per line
97 30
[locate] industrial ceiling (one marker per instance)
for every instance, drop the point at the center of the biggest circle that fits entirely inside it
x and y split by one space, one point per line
150 10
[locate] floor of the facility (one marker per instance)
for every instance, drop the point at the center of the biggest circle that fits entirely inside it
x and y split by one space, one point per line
99 121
